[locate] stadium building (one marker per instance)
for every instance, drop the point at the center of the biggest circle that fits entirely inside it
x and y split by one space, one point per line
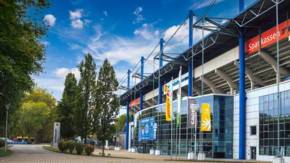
234 69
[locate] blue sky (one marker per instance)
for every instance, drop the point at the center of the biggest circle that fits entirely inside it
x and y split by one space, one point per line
121 31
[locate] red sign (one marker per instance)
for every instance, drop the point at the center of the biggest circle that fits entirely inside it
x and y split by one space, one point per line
269 37
135 102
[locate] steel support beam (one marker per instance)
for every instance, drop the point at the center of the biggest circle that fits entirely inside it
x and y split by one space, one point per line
268 58
127 116
242 105
196 89
228 79
160 65
141 93
211 85
250 75
189 92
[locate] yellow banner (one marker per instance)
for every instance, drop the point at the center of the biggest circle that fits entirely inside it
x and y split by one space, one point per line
168 104
205 118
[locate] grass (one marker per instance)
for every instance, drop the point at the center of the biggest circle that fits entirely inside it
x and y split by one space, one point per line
8 151
68 152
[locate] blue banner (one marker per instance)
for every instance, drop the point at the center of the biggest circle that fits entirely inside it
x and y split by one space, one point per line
146 131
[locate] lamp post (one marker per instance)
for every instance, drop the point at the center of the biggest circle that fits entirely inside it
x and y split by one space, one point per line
7 108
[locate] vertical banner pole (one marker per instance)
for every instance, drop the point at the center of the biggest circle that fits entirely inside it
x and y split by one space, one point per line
278 73
171 140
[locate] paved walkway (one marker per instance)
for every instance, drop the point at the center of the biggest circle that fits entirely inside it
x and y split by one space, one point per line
36 154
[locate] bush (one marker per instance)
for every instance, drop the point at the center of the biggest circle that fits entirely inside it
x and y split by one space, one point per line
71 145
80 147
51 144
29 142
89 149
60 146
2 143
65 147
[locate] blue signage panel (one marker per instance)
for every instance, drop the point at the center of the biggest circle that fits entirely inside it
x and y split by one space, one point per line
146 131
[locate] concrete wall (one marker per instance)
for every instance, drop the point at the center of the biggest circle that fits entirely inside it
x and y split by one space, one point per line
252 119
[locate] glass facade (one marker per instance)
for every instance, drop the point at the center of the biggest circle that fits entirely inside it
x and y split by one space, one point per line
268 124
218 143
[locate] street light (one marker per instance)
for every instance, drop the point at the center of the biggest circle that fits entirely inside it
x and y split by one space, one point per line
7 108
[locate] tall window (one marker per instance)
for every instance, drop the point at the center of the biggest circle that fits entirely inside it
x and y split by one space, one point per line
268 129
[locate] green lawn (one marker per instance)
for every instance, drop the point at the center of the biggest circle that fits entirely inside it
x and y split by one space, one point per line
2 152
57 150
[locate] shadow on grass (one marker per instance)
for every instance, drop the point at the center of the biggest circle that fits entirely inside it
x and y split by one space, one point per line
8 152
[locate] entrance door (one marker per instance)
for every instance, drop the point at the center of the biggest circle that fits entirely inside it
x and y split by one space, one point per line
253 153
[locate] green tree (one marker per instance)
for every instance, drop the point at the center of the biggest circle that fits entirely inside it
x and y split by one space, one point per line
121 121
66 106
106 102
35 114
21 52
42 95
84 97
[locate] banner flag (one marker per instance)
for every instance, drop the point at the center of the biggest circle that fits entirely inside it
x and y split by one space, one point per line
171 97
205 118
179 98
168 104
192 113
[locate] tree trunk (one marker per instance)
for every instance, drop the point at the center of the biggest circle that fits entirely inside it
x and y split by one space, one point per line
22 127
28 136
103 154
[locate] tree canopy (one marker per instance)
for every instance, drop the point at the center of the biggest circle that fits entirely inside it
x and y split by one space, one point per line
65 107
106 102
83 112
21 52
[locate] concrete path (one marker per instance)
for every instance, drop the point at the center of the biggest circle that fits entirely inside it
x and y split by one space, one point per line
36 154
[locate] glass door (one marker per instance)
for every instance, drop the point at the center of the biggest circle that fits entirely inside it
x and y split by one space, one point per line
253 153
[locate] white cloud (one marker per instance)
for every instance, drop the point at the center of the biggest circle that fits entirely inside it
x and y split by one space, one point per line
138 10
77 23
45 42
49 19
76 14
197 4
87 22
105 12
62 72
156 33
102 19
139 17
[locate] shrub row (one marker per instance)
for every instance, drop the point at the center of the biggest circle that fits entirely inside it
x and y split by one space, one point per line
79 147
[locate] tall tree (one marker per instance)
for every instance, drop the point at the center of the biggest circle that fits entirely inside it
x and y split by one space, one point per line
21 52
106 102
35 114
84 97
42 95
66 106
120 123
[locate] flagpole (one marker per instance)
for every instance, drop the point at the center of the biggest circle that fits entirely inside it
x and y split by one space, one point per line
195 134
171 127
179 125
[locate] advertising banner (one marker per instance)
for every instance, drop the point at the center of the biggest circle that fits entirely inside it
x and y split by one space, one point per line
192 113
56 134
168 106
155 129
205 118
134 103
269 37
146 131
